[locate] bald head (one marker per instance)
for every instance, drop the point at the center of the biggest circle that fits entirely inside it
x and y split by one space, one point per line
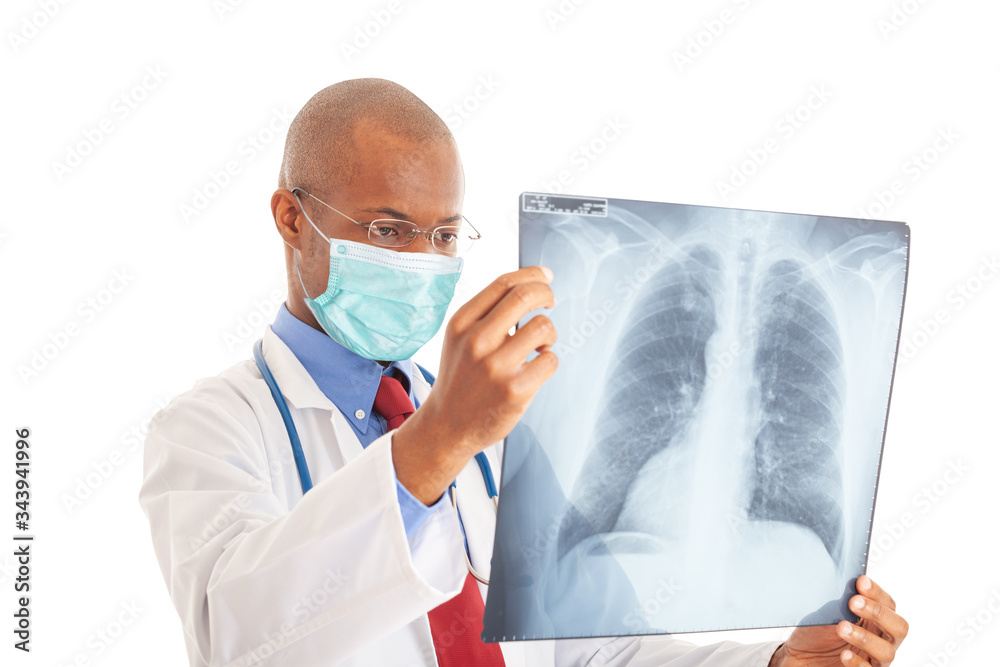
369 149
322 142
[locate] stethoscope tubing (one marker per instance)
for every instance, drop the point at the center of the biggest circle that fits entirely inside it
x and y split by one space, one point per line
303 468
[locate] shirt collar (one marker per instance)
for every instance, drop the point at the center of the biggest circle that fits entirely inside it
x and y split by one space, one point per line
349 380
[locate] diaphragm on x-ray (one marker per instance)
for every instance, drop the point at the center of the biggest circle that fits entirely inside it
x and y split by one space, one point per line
706 457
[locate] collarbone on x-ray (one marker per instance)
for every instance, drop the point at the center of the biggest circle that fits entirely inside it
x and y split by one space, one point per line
720 419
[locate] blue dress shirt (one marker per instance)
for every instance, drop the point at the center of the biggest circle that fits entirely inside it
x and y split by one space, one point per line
351 381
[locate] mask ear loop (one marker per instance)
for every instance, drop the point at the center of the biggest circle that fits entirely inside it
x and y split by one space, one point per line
298 273
295 251
303 209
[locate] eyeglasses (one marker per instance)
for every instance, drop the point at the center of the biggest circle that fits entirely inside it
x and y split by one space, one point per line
392 233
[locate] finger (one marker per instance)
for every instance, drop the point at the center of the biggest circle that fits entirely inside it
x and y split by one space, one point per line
863 640
537 334
535 372
870 589
518 302
882 616
852 659
484 302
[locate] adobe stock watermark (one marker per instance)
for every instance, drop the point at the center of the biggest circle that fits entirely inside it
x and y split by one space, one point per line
912 169
223 8
303 609
8 570
594 319
32 24
252 324
462 620
493 417
86 312
971 626
899 15
705 36
100 471
107 634
217 180
584 155
638 618
786 126
561 12
722 361
121 107
545 539
461 111
371 29
923 501
920 335
225 516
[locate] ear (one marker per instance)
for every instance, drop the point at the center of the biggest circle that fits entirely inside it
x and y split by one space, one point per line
288 217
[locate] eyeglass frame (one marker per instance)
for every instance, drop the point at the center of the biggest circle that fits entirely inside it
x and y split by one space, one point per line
412 234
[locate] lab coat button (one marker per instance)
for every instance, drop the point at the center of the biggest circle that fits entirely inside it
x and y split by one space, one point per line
360 414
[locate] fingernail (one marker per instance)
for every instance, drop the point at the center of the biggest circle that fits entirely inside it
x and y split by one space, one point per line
844 629
847 655
547 271
858 603
864 582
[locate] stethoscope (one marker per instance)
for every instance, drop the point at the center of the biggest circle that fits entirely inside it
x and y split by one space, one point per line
303 468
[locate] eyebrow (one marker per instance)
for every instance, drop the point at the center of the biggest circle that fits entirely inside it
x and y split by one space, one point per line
393 213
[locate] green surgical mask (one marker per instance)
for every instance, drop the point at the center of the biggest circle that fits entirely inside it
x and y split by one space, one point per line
382 304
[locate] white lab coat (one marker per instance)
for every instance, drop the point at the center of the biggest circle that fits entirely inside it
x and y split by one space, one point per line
262 575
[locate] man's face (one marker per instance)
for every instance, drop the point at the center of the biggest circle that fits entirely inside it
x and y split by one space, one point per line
419 182
395 178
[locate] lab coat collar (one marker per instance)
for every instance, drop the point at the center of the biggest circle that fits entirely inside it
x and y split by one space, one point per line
345 377
298 386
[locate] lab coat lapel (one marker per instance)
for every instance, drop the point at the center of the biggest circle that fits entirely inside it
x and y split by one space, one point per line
296 385
302 392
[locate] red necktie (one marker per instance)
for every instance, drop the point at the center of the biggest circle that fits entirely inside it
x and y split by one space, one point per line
456 625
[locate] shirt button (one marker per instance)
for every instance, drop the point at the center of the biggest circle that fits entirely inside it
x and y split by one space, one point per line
360 414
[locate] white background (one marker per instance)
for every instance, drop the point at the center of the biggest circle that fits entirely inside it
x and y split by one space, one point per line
193 294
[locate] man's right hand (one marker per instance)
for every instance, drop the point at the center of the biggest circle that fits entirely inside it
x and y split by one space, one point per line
484 383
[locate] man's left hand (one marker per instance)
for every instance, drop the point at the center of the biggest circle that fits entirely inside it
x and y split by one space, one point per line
872 642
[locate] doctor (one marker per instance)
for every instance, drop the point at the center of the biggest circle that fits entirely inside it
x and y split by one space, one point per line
351 552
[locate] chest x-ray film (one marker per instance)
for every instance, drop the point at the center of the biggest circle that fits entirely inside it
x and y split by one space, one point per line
707 454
